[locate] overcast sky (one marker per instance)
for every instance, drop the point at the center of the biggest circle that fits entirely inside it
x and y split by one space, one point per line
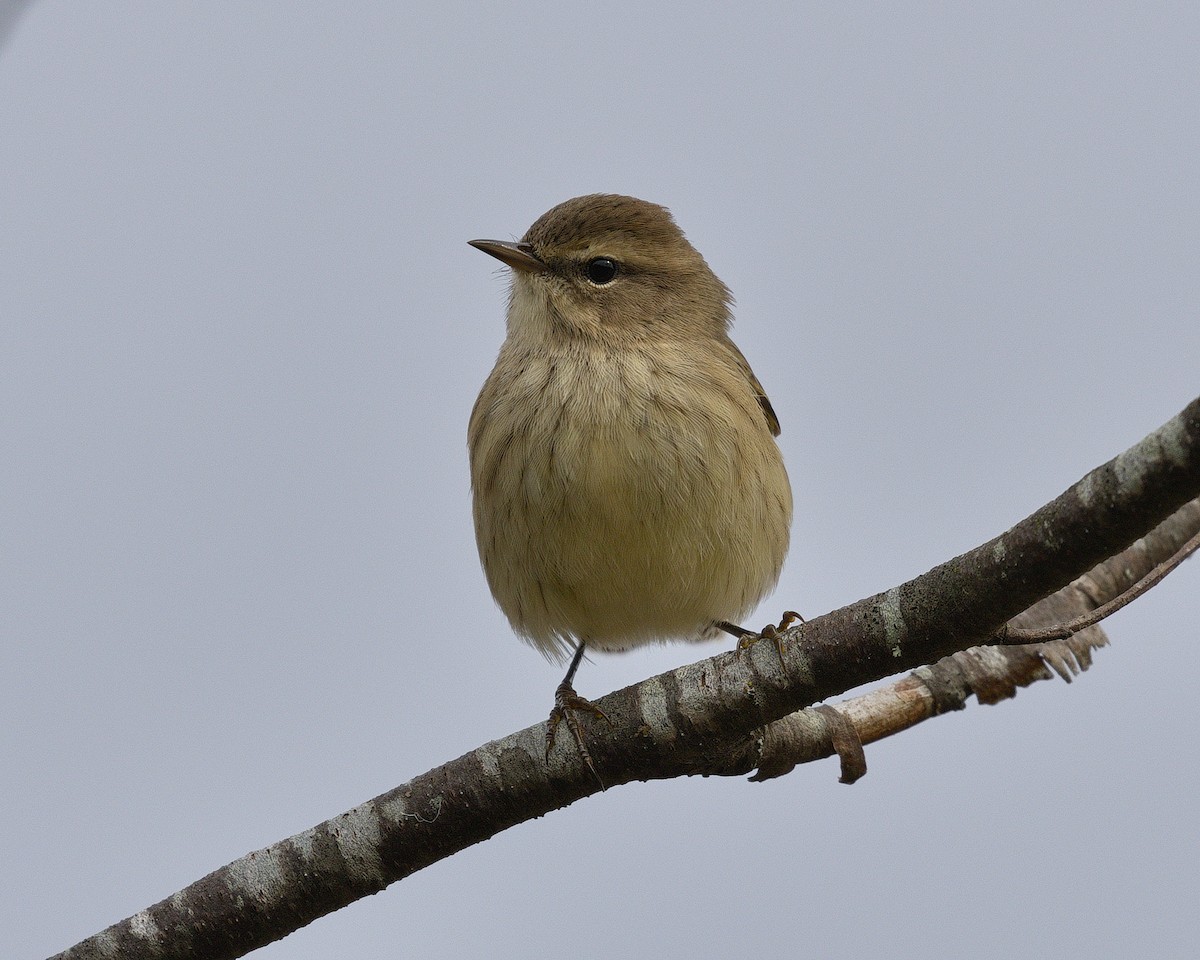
241 335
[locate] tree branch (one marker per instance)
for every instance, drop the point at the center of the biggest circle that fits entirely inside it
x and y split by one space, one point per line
696 719
1022 635
991 673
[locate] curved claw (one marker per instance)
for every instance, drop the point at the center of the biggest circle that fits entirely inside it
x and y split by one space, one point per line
566 704
771 631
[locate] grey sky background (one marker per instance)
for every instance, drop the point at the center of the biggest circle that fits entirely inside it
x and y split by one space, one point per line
241 336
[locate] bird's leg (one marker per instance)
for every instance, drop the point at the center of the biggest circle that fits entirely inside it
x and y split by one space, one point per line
566 703
772 631
740 632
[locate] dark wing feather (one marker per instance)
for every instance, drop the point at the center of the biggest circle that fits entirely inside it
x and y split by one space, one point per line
744 366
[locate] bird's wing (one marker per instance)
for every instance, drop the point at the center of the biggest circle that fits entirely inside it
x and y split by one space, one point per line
744 366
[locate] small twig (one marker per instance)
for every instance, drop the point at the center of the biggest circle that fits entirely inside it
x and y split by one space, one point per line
1013 635
991 674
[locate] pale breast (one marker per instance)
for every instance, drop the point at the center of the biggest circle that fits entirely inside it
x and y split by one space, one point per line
625 498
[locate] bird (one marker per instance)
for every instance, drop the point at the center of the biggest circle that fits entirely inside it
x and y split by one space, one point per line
627 486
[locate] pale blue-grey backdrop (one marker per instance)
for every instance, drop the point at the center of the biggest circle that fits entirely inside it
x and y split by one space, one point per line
240 335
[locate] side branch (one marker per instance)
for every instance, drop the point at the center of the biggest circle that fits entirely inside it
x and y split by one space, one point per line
672 724
990 673
1021 635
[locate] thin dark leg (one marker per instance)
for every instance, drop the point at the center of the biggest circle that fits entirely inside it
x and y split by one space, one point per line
575 661
566 704
734 630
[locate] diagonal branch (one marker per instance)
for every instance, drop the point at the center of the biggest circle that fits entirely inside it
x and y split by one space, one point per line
1024 635
991 673
673 724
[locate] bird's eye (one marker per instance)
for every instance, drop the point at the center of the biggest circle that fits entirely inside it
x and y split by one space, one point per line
601 271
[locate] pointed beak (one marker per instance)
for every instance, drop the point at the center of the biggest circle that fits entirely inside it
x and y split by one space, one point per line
519 256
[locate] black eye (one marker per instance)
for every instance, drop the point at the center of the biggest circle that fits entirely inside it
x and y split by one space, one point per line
601 271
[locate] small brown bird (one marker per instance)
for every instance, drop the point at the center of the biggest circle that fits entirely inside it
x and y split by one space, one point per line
627 484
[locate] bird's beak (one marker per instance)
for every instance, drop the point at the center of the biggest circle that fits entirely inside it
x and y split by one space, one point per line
519 256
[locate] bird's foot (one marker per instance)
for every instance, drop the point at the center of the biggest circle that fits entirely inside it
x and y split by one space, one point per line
567 703
772 631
